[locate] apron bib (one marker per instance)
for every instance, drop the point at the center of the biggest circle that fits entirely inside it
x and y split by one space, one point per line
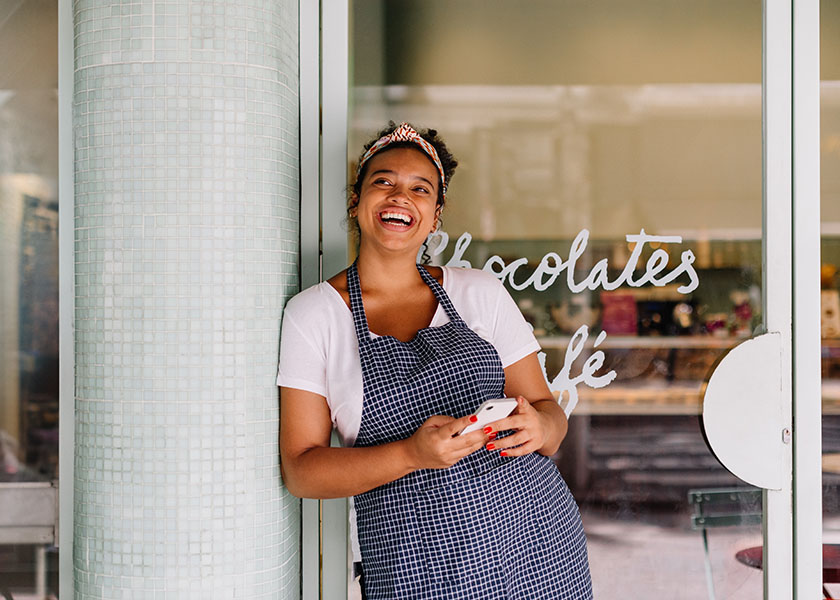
486 528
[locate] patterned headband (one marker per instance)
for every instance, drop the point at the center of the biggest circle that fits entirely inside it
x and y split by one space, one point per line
405 133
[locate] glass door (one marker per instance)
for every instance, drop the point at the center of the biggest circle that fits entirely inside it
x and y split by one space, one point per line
606 134
614 175
830 289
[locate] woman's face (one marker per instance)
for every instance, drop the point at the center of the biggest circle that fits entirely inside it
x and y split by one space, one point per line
397 208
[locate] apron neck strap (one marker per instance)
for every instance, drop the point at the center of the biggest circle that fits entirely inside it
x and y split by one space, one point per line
357 308
354 290
440 294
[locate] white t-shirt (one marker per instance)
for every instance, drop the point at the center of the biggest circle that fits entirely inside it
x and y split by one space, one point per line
319 352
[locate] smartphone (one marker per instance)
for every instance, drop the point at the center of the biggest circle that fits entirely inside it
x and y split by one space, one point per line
489 411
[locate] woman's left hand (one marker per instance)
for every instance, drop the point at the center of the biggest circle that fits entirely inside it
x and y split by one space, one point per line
529 426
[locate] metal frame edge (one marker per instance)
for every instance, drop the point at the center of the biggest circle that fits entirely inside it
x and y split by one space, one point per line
310 244
66 299
335 20
777 264
807 394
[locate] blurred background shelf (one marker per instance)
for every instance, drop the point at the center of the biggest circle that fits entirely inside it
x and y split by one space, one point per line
631 341
668 398
676 342
635 458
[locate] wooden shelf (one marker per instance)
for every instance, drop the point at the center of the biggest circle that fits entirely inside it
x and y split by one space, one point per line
632 341
663 398
647 341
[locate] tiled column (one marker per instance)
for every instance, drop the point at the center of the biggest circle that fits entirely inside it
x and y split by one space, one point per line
186 225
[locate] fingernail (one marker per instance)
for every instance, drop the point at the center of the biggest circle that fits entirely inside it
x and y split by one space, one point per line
488 430
491 447
473 418
493 436
502 453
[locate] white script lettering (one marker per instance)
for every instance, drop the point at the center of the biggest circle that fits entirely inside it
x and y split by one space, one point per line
552 265
546 274
564 383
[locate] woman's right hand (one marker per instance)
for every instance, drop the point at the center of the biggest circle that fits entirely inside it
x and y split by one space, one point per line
435 446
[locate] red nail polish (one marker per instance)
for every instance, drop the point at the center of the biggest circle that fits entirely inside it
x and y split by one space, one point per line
488 430
491 446
493 436
502 453
473 418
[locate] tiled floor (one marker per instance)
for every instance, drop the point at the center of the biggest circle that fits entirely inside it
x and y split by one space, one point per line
648 555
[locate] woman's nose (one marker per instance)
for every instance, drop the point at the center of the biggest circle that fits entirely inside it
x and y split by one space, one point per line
398 194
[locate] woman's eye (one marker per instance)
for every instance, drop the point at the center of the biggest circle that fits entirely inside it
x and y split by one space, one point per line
421 190
381 181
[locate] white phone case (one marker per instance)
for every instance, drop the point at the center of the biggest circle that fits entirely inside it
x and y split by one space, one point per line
489 411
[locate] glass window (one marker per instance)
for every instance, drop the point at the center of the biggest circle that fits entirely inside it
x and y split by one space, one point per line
830 281
28 297
617 146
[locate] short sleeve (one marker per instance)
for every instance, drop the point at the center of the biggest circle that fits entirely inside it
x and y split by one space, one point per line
513 336
302 365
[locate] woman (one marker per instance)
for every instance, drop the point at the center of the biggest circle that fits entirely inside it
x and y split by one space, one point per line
397 356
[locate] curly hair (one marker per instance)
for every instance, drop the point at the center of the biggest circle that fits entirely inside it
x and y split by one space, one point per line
447 161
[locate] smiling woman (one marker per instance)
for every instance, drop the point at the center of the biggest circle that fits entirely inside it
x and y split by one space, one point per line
399 194
393 138
397 355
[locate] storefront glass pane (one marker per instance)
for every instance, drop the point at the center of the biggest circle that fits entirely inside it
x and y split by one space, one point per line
601 139
830 281
28 298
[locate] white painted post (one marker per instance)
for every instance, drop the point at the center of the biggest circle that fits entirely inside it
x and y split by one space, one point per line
807 395
66 301
335 33
310 245
335 44
777 264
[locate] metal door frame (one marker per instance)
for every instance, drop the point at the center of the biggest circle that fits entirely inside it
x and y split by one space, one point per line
324 78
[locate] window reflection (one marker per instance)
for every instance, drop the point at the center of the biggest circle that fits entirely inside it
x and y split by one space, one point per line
830 267
541 164
30 326
28 298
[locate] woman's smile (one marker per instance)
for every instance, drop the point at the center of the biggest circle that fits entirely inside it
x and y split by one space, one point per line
395 219
398 196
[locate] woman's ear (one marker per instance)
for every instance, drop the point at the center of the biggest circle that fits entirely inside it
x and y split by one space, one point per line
353 205
436 223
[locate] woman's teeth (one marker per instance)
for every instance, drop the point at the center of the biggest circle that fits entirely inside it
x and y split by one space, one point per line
392 217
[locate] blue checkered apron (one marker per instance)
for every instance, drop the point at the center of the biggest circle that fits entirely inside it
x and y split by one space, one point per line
488 527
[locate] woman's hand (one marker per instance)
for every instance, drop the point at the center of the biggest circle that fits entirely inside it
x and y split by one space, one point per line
539 422
532 428
311 468
435 444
